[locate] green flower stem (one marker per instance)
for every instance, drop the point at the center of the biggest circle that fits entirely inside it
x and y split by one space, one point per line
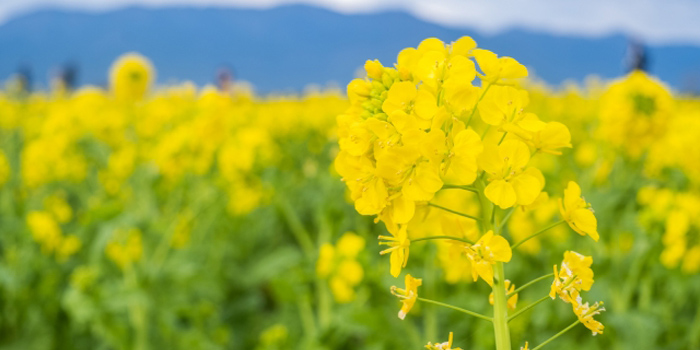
302 236
468 312
442 237
461 187
529 284
528 308
557 335
454 212
503 138
471 115
500 309
538 233
506 218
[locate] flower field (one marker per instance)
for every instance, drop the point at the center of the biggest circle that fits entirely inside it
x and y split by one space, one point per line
444 201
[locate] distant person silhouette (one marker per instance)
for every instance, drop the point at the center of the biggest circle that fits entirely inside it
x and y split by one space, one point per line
224 79
637 57
24 77
69 76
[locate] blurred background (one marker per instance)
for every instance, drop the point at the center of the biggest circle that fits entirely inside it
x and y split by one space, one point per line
167 179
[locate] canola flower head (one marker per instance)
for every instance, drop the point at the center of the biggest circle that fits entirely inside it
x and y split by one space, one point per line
131 76
575 275
577 212
408 295
585 313
483 254
442 346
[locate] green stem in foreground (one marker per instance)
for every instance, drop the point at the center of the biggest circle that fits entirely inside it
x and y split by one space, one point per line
538 233
442 237
500 309
557 335
527 308
471 313
529 284
454 212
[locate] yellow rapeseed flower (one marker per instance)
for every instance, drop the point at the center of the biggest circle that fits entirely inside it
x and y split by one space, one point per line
483 254
442 346
577 212
574 276
408 295
511 182
130 77
398 247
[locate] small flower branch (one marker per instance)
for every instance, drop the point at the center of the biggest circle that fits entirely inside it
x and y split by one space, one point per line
557 335
461 187
469 120
512 317
538 233
529 284
471 313
442 237
454 212
506 218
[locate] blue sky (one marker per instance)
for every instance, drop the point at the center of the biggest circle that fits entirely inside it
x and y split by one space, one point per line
652 21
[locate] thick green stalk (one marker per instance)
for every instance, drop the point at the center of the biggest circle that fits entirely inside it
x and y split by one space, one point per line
500 304
500 309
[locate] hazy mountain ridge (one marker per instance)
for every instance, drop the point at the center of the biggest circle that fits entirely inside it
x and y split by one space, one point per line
286 48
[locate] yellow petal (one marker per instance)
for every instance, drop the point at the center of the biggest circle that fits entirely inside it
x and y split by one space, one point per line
527 188
585 220
403 209
501 193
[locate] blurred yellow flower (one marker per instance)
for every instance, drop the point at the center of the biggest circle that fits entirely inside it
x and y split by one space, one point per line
131 76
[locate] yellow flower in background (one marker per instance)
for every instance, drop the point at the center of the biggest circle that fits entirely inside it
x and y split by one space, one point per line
483 254
510 182
338 264
398 248
70 245
585 313
131 76
5 170
525 347
125 248
635 112
574 276
513 300
408 295
442 346
58 206
45 230
577 212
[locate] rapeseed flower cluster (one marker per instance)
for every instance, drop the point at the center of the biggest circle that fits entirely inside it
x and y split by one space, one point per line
453 117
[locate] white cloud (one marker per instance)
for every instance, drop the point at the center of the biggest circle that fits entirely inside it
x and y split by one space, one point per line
655 21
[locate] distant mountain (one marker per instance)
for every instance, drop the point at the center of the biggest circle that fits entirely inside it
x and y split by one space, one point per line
286 48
